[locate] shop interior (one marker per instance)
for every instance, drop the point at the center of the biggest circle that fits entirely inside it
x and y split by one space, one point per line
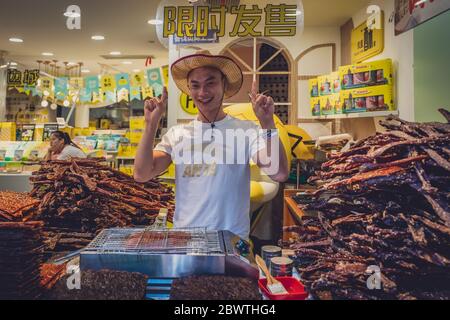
87 70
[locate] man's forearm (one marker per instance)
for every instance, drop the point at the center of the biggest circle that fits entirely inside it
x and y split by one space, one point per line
143 164
275 157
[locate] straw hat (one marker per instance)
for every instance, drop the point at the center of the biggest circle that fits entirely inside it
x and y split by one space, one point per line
180 70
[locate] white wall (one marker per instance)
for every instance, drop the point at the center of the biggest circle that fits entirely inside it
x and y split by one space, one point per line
401 50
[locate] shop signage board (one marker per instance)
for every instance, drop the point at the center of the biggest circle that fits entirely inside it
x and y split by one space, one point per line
49 128
411 13
25 132
196 22
367 40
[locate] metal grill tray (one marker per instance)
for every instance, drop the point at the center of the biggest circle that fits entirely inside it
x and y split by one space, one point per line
146 240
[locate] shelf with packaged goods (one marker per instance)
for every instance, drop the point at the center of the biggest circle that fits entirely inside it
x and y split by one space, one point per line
353 115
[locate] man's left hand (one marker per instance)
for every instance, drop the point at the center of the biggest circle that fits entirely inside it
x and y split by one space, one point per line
264 108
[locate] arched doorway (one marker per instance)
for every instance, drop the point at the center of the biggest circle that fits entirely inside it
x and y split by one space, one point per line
269 63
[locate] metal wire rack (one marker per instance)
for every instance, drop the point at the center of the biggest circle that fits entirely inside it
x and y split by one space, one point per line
147 240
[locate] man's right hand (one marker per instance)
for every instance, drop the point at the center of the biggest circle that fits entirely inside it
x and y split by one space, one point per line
154 108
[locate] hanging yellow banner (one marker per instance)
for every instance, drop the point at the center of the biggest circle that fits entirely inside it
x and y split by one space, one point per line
147 92
108 83
137 79
122 95
46 86
165 73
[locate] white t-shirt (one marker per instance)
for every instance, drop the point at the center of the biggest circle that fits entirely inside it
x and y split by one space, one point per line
213 174
70 152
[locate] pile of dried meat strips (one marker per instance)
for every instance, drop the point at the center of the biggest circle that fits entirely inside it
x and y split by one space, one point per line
382 225
81 197
21 255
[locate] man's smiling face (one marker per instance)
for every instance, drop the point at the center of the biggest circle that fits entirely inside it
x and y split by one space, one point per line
206 86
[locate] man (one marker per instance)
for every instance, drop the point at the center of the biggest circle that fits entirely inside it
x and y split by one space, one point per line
212 192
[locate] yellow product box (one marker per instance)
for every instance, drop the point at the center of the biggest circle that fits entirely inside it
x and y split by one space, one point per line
127 150
69 131
38 134
93 123
335 82
105 124
370 99
135 136
365 74
77 132
337 103
137 123
313 87
129 170
328 104
315 106
325 85
7 131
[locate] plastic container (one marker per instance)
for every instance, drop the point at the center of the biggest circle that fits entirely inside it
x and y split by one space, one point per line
295 289
281 267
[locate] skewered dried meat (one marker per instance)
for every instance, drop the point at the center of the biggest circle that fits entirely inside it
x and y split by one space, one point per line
383 204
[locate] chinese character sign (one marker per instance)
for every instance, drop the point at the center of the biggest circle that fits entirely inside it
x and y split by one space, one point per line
188 21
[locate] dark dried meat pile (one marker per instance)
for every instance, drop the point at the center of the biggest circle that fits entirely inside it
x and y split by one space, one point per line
81 197
102 285
21 254
383 204
14 204
215 288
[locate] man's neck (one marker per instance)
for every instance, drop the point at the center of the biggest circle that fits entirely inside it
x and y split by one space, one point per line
211 115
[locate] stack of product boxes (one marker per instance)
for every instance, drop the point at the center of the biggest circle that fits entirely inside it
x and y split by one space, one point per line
364 87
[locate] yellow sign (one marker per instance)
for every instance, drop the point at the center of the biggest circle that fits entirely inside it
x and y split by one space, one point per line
187 104
368 40
108 83
183 21
147 92
137 79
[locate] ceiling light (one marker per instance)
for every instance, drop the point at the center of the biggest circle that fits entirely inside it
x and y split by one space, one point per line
47 54
13 63
66 103
46 93
136 70
72 14
98 37
53 106
18 40
44 103
154 22
115 53
127 62
85 71
72 64
3 66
